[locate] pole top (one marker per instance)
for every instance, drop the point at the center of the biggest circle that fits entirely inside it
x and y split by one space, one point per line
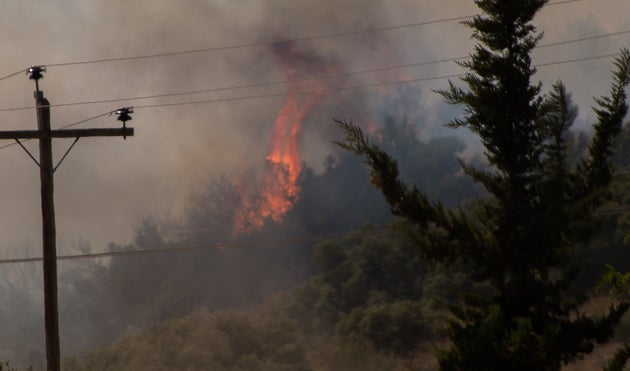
123 114
36 72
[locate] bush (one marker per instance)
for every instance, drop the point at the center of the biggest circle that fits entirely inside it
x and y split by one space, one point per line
394 327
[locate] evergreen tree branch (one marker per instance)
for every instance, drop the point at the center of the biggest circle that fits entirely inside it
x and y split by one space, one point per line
538 210
620 359
610 112
439 224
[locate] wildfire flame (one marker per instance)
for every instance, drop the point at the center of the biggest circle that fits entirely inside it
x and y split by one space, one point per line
279 189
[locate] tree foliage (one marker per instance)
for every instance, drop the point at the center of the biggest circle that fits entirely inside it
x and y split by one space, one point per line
5 366
522 240
372 290
100 301
202 341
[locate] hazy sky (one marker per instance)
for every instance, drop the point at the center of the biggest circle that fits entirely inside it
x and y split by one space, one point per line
107 185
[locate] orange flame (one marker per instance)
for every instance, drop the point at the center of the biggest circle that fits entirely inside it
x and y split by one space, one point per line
280 189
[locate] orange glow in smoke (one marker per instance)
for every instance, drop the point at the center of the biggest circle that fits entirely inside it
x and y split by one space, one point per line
279 189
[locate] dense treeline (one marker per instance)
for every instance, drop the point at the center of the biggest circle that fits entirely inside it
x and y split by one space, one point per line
371 291
373 305
294 332
134 291
100 299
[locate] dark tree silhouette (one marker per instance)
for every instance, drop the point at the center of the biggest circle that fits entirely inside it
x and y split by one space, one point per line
522 241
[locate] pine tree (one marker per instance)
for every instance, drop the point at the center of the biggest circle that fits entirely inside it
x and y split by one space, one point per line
521 244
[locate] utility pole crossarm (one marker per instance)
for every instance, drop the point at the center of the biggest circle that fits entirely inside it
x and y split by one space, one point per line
67 133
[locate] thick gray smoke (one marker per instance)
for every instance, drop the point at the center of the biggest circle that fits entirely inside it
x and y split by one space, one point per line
107 186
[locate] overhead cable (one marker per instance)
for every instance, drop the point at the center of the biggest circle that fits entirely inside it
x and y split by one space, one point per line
221 246
267 42
258 96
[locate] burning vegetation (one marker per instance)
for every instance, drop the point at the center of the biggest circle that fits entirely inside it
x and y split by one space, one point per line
278 190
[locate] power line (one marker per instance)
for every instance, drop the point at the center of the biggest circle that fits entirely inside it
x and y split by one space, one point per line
586 38
248 97
263 43
563 2
601 56
86 120
245 86
223 246
286 40
313 91
243 244
12 74
302 39
272 95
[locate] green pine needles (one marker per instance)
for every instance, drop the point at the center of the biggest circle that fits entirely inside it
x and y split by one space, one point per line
521 242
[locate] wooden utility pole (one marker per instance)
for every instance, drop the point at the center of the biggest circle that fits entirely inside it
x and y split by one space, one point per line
46 171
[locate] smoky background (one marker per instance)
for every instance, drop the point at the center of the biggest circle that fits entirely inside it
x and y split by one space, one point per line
172 183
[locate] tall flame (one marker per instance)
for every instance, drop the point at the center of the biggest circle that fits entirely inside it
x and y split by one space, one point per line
279 189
